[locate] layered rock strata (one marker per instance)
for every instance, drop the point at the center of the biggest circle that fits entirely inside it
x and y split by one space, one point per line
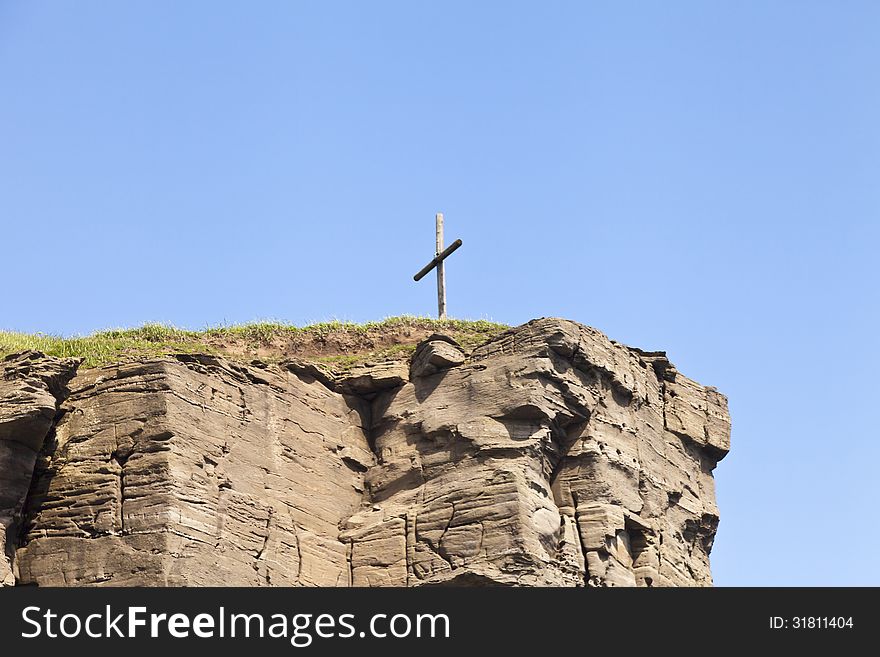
550 456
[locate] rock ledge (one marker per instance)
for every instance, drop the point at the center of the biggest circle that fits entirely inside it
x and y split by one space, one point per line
550 456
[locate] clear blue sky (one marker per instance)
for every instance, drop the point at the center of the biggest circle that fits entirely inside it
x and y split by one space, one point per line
699 177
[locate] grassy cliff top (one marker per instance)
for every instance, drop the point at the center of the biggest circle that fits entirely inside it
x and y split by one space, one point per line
338 344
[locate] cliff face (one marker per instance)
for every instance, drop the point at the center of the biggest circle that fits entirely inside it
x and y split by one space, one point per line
548 456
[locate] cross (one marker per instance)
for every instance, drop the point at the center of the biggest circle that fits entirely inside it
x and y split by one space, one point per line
439 256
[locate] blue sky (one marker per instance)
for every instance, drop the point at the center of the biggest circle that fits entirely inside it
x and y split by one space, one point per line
699 177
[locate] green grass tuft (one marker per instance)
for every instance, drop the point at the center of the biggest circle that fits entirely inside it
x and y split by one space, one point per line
154 340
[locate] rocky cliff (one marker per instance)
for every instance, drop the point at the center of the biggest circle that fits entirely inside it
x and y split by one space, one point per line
549 456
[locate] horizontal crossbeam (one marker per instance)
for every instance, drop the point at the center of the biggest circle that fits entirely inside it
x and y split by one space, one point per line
437 260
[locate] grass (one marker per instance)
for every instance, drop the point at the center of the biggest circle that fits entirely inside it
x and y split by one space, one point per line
347 361
155 340
100 348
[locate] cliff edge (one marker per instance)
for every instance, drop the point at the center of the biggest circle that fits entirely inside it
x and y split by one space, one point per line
548 456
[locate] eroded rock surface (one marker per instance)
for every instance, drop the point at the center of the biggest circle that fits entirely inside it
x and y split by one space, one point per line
549 456
31 389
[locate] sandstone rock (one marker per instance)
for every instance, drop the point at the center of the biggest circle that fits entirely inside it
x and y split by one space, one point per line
197 471
438 352
549 456
31 387
367 380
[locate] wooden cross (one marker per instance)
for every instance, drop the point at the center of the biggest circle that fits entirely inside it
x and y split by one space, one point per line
439 256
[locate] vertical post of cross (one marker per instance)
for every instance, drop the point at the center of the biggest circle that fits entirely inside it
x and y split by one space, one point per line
440 254
441 274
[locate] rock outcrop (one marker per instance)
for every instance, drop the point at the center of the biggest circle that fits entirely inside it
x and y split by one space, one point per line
31 389
550 456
